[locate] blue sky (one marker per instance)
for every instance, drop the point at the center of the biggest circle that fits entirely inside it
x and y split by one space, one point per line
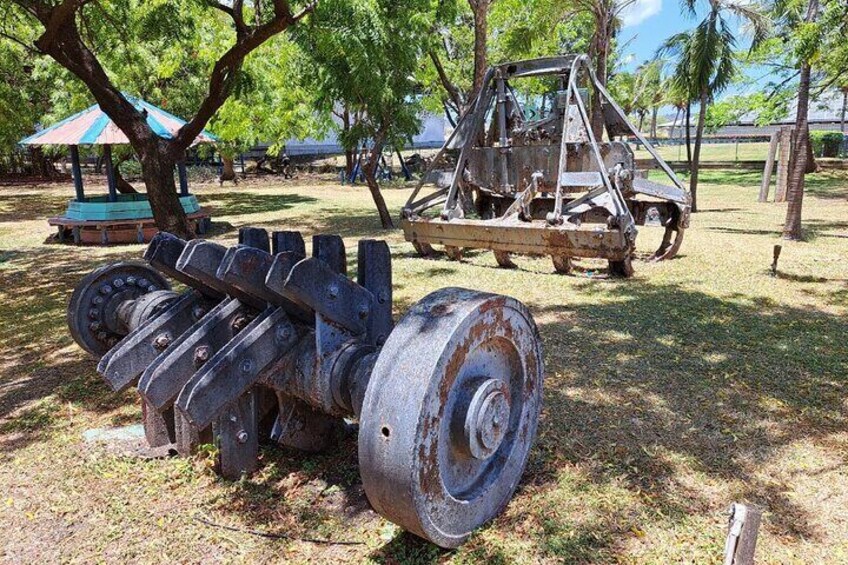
647 23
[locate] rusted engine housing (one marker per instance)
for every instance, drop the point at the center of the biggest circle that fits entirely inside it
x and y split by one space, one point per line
545 186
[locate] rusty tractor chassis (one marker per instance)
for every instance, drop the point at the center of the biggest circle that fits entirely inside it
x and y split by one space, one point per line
267 344
546 185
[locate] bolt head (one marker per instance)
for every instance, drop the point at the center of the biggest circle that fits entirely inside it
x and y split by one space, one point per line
242 436
201 355
333 291
131 280
118 283
105 289
162 341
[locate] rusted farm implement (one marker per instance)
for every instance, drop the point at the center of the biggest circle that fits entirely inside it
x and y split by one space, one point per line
547 185
266 343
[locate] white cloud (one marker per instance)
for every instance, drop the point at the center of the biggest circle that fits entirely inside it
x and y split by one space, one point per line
639 11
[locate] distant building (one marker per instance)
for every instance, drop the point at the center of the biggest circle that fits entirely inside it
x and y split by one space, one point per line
432 135
825 114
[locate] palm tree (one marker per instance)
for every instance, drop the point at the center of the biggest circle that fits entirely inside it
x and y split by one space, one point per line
791 14
706 60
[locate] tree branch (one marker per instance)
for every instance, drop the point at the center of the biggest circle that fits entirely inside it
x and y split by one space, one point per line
450 87
56 18
226 68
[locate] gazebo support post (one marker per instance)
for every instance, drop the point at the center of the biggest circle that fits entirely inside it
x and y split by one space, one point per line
77 173
110 173
183 174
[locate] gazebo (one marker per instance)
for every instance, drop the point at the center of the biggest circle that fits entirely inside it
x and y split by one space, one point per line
114 217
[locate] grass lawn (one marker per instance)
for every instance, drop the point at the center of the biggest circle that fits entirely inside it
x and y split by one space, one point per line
700 382
757 151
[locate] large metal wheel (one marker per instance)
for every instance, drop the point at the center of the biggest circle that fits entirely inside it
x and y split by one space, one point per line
93 309
450 413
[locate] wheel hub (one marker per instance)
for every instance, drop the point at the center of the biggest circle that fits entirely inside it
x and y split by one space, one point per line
487 419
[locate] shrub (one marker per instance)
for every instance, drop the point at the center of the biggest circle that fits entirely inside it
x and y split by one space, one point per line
826 143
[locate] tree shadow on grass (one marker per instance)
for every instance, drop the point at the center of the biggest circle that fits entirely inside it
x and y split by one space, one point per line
245 203
662 375
27 207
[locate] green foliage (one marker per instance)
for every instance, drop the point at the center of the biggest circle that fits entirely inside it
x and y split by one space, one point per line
762 107
363 56
826 143
163 52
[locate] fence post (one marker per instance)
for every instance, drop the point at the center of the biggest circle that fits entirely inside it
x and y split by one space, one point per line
764 188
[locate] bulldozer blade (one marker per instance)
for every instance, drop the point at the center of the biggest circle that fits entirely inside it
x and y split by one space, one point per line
531 238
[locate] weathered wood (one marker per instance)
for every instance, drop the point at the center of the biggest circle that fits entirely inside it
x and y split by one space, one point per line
769 167
743 528
784 159
119 231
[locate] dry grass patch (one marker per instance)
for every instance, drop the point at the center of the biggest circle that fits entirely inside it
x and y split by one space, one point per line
700 382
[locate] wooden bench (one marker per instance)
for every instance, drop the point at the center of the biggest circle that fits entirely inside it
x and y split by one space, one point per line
108 232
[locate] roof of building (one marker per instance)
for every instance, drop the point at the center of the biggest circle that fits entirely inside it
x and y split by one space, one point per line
93 127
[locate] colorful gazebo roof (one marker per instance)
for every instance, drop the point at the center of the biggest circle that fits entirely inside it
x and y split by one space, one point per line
93 127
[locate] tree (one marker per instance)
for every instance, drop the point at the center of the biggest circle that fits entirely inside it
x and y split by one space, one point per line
364 55
67 32
806 47
706 61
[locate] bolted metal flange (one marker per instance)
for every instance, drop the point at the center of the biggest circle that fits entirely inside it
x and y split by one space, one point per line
96 302
487 419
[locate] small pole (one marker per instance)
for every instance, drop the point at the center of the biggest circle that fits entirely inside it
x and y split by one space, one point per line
743 527
183 174
775 259
110 174
77 173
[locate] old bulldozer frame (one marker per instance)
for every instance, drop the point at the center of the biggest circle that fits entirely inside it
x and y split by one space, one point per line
545 186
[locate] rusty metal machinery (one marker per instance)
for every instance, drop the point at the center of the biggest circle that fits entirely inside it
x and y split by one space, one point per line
545 184
265 343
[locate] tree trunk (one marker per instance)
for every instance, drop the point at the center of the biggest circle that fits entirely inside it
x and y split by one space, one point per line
370 173
844 107
689 134
654 111
349 153
121 183
481 30
228 170
157 170
41 165
674 123
641 121
696 155
798 167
